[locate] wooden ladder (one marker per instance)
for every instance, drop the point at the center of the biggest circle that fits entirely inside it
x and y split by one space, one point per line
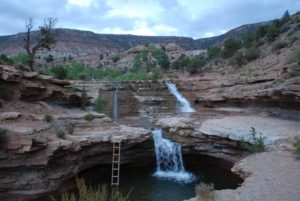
115 170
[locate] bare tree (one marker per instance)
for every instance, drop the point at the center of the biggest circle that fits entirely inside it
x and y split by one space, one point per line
44 39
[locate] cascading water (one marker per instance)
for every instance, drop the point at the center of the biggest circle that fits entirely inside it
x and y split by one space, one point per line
169 163
115 104
184 104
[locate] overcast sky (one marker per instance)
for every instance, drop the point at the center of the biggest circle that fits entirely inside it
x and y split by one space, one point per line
193 18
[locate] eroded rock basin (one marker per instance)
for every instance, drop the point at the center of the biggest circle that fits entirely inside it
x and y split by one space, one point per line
271 175
146 187
211 134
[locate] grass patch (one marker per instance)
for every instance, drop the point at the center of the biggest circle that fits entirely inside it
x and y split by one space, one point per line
99 105
296 145
20 58
48 118
257 144
100 193
60 133
89 117
205 192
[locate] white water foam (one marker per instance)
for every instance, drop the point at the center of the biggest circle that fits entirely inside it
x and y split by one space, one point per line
184 104
169 163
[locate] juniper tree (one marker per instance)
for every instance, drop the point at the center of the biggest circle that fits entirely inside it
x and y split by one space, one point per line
43 41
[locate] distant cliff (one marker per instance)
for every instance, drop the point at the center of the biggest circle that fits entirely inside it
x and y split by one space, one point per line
76 42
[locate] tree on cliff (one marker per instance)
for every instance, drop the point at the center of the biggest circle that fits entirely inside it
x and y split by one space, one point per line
43 40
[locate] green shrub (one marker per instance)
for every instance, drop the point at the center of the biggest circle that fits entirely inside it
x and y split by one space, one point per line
154 74
113 74
279 45
84 98
195 64
60 133
75 70
115 58
249 40
48 118
293 39
21 58
2 135
5 92
89 117
73 88
5 60
257 144
150 51
285 18
239 59
161 57
294 57
101 193
272 32
294 73
99 105
205 192
252 53
59 72
2 132
296 145
213 53
49 58
70 128
231 46
180 63
261 32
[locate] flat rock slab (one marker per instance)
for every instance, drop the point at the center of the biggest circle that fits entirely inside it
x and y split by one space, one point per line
274 176
238 127
9 115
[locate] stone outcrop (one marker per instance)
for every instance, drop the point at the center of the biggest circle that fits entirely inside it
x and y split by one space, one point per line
35 160
31 85
186 131
264 86
271 175
40 155
134 97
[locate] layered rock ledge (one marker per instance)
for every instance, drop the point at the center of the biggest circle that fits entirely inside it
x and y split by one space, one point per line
271 175
36 161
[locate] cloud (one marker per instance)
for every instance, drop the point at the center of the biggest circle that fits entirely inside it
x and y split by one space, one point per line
82 3
191 18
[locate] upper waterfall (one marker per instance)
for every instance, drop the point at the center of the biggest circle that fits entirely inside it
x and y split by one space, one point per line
184 104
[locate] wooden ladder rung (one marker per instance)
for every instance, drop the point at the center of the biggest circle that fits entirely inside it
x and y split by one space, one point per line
115 171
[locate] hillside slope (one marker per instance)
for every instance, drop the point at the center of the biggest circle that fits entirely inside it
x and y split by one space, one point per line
76 42
270 80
